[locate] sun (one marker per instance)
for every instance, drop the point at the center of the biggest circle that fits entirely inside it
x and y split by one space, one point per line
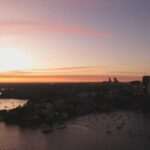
13 59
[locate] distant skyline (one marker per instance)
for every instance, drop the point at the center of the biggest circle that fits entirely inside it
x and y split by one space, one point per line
74 40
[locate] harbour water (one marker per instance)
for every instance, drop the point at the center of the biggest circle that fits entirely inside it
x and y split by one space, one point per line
8 104
106 131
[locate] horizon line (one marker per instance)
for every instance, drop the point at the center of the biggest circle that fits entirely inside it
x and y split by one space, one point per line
65 78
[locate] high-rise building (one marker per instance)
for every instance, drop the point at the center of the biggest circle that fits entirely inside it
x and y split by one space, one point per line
146 84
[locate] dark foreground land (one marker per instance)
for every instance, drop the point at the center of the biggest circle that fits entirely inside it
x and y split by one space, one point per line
51 104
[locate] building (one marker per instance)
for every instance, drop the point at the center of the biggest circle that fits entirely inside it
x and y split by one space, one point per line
146 84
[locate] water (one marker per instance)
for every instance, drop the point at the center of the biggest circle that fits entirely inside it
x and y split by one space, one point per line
114 131
8 104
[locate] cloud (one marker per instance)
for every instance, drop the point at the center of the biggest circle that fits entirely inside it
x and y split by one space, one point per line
131 73
53 71
85 31
15 27
67 69
22 27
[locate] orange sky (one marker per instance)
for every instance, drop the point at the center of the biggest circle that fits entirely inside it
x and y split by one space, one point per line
74 40
70 74
64 78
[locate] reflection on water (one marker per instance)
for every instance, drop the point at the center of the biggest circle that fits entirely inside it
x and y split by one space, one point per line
8 104
114 131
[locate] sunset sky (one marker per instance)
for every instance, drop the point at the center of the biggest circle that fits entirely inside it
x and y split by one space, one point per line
74 40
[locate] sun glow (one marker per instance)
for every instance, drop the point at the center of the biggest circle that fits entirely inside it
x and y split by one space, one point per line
13 59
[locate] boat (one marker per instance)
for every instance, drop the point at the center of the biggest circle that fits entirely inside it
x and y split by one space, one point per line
61 126
46 129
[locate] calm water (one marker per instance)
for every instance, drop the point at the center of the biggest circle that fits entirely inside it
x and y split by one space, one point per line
8 104
114 131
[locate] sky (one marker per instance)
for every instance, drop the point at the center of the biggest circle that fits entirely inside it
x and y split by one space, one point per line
74 40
